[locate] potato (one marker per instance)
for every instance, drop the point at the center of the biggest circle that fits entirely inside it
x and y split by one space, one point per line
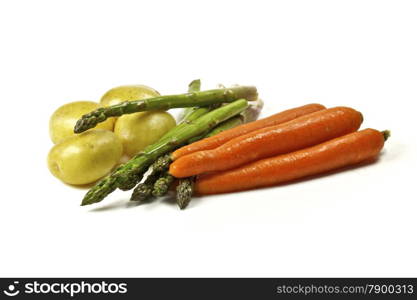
138 130
86 157
127 93
62 121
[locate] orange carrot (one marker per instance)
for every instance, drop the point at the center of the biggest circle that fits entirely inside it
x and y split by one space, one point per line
225 136
297 134
342 151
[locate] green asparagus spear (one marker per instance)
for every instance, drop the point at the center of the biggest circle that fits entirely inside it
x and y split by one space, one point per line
140 162
193 112
162 184
203 98
232 122
162 163
185 189
143 191
127 185
194 86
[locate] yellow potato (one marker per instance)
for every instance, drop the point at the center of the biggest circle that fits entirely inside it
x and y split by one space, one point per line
86 157
138 130
61 124
127 93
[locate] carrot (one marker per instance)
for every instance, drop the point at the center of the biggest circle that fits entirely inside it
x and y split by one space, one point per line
342 151
297 134
225 136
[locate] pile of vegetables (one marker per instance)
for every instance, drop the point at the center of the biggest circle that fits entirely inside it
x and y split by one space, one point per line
218 145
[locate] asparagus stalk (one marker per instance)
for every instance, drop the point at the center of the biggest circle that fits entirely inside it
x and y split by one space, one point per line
248 115
144 190
140 162
203 98
127 185
160 165
162 184
193 114
194 86
185 190
232 122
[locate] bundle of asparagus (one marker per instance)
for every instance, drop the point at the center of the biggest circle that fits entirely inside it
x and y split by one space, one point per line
203 118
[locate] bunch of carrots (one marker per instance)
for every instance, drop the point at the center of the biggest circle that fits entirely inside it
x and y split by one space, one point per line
289 145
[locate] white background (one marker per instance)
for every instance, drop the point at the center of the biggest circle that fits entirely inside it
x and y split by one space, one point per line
361 54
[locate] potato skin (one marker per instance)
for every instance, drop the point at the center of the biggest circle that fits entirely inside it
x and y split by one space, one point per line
127 93
86 157
62 121
138 130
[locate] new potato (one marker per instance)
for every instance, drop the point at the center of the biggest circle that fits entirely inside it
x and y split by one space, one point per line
138 130
62 121
86 157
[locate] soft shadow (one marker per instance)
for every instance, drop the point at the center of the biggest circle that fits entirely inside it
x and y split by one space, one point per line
119 204
169 198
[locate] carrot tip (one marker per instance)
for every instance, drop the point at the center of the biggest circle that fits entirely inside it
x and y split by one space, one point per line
386 134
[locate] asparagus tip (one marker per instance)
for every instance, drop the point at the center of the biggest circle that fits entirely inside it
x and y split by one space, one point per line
90 120
161 186
185 190
85 202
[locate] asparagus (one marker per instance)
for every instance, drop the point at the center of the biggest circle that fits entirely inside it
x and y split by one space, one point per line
127 185
162 184
250 114
144 190
194 86
141 161
203 98
185 189
232 122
